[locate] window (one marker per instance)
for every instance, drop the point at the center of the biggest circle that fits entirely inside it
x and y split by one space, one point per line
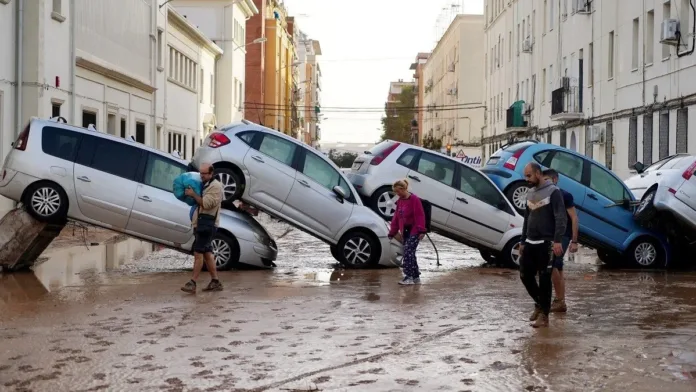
182 69
175 142
437 168
543 85
684 11
632 141
568 165
277 148
160 172
140 132
57 6
663 139
590 66
123 127
321 172
636 40
88 118
509 46
407 157
475 185
682 130
647 139
111 124
610 55
55 109
519 39
60 143
201 84
550 81
541 156
609 147
212 90
605 184
115 158
666 13
160 49
247 137
650 37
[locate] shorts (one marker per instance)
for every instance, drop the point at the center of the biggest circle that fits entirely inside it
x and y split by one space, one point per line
204 242
558 260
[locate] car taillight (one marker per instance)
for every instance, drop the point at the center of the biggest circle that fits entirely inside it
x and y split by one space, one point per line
218 140
382 156
21 143
689 171
511 163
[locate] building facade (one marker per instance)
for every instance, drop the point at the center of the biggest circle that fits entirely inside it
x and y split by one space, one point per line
417 68
609 79
453 101
309 88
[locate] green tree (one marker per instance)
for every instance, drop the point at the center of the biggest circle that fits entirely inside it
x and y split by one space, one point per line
342 160
397 124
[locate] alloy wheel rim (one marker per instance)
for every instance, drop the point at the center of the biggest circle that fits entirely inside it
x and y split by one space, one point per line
357 251
45 201
221 251
229 185
386 203
515 254
519 197
645 254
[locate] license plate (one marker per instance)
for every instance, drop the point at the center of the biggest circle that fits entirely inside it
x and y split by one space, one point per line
356 165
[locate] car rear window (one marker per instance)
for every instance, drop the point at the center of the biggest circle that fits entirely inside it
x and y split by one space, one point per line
517 146
381 147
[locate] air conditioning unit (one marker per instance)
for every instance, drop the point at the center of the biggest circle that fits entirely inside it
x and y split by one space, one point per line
527 45
565 83
597 134
450 68
669 32
583 6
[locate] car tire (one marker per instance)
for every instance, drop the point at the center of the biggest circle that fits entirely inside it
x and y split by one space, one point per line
646 211
358 249
232 183
334 252
608 257
511 253
488 256
645 253
383 202
46 202
517 194
225 251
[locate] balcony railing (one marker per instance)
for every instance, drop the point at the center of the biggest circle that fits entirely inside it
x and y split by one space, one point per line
565 104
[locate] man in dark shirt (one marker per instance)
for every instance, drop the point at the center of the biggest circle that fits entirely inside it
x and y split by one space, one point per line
542 233
569 242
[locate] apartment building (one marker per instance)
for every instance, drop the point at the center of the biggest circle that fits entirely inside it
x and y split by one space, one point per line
417 68
453 94
613 80
309 88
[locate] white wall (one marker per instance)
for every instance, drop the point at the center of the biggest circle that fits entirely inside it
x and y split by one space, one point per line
7 90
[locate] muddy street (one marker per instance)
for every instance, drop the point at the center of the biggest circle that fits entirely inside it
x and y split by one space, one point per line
96 319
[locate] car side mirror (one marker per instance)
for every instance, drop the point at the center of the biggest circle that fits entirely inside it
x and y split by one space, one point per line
640 168
339 192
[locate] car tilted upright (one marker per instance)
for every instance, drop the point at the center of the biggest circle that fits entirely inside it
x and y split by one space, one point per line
59 171
296 183
466 206
604 203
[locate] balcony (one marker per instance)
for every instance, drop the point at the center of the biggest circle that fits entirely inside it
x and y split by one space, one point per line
515 117
565 104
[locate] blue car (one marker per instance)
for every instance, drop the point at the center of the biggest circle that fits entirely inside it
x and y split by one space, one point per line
604 203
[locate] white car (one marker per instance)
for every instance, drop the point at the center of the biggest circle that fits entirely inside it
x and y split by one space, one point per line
298 184
466 205
668 185
59 171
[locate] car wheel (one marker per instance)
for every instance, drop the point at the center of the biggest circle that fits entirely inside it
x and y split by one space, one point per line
359 250
646 210
225 251
47 202
231 183
608 258
488 257
646 253
384 202
517 194
511 253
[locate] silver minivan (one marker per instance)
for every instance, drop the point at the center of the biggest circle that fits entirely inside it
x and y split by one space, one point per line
60 171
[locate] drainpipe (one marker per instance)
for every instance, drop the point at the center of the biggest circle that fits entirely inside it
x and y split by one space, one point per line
19 67
73 66
642 71
153 71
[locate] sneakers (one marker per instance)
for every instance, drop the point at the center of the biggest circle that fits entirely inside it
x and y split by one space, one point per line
416 281
558 306
541 321
409 281
189 287
535 314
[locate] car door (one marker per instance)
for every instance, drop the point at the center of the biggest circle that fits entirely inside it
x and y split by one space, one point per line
612 224
432 179
105 180
157 213
477 212
687 191
270 166
312 201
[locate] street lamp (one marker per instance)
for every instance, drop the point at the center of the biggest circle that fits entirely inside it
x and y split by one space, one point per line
256 41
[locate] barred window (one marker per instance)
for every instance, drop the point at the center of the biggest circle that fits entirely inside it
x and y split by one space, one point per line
632 141
588 142
647 139
563 138
682 130
663 140
608 146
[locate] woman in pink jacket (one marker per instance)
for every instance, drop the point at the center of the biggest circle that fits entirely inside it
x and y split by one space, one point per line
408 226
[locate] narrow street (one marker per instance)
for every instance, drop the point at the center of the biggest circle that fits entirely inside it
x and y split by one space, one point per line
91 320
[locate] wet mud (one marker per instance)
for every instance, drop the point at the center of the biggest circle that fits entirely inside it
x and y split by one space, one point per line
79 324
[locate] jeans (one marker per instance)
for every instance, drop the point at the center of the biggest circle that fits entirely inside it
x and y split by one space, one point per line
558 260
537 259
409 263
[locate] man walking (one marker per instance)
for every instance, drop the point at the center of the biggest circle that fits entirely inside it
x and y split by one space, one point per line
205 222
569 242
542 232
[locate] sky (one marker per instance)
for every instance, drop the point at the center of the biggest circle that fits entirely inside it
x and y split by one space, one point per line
365 45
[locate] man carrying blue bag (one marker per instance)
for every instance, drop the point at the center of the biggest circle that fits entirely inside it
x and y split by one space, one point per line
206 200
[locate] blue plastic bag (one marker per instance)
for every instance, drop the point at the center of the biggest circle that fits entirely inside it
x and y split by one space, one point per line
193 209
185 180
